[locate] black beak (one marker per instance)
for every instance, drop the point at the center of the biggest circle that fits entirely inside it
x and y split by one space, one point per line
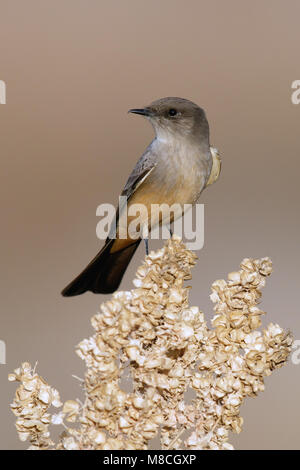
143 111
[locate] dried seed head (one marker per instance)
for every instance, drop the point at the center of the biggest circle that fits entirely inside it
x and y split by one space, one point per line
167 350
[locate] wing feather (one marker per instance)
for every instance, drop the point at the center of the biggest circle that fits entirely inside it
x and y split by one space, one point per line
139 174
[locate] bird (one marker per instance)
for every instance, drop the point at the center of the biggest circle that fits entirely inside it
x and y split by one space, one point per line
174 169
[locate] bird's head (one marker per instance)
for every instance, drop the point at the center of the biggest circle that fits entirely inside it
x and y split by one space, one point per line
176 117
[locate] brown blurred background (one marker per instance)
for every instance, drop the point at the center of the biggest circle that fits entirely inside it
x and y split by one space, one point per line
72 70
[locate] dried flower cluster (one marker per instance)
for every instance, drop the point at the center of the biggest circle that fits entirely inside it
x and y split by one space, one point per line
154 338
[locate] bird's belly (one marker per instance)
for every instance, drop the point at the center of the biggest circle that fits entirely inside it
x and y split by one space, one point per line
162 199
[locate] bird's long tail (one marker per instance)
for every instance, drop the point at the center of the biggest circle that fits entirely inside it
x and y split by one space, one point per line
104 273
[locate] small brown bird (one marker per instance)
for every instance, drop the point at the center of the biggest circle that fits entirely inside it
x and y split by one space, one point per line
175 168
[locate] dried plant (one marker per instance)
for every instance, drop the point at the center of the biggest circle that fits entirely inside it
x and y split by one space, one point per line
165 347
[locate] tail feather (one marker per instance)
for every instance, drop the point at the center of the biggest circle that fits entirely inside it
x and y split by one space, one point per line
104 273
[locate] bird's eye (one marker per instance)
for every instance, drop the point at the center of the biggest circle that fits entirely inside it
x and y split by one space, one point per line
172 112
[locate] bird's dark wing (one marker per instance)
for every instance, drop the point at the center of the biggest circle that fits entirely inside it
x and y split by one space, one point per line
141 171
139 174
